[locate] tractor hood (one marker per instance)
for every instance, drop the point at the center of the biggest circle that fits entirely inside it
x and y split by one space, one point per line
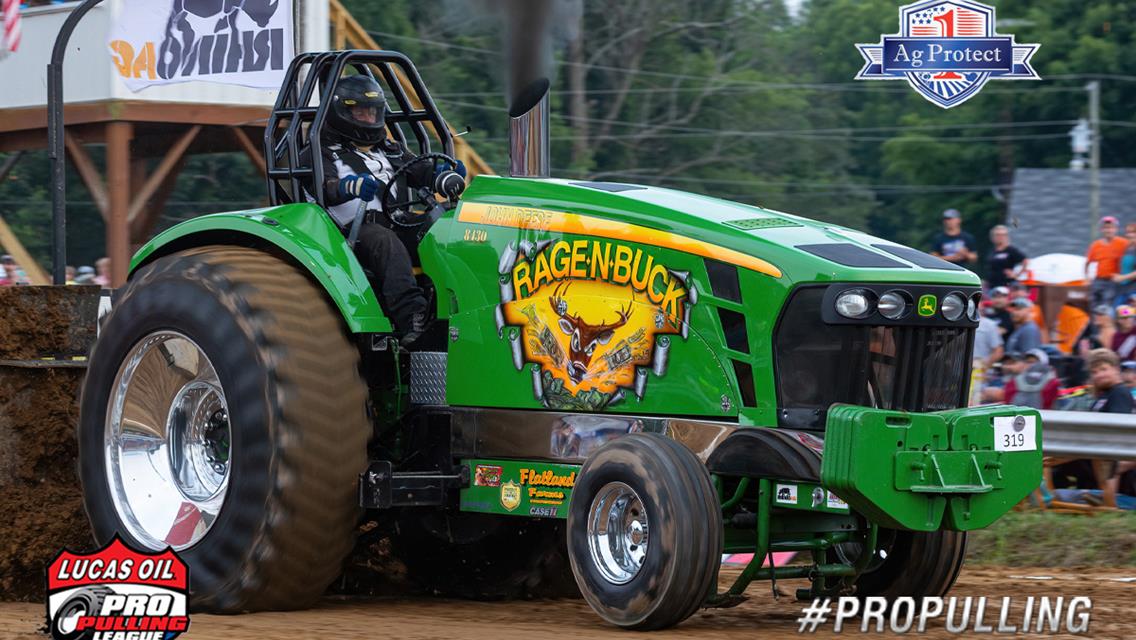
781 245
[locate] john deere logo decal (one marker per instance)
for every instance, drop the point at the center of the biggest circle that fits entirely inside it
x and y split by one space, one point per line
947 50
928 304
510 495
590 318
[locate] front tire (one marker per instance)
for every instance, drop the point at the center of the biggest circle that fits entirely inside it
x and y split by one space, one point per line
645 532
910 563
223 415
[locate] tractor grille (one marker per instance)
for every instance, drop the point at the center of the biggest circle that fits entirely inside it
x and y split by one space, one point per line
898 367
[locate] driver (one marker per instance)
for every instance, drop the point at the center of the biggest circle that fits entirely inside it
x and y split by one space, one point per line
356 145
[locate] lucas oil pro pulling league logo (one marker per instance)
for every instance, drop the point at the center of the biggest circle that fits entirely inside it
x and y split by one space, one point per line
947 50
117 593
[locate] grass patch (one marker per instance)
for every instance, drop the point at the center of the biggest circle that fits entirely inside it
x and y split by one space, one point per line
1038 539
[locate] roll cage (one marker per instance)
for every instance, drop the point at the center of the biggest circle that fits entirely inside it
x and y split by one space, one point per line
295 125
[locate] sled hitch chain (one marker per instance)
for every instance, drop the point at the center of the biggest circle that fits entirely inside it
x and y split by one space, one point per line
382 488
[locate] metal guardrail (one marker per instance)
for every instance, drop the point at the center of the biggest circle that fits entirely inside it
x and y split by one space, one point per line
1084 434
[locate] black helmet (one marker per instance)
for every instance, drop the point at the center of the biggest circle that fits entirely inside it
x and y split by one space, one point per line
354 96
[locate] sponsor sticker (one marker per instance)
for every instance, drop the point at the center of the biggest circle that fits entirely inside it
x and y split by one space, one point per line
510 495
117 593
485 475
786 494
833 501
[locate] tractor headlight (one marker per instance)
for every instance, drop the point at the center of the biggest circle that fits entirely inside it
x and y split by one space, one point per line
893 305
953 307
972 307
855 303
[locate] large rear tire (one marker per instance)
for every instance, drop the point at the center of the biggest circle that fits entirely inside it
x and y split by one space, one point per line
645 532
223 414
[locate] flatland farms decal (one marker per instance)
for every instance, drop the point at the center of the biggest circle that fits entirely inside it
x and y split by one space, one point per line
589 317
523 488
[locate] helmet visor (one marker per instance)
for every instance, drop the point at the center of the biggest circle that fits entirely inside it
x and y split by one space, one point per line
366 110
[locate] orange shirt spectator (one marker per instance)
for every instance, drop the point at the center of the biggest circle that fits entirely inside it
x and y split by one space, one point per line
1107 254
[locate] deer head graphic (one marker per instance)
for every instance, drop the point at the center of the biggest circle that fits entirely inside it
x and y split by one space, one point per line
585 336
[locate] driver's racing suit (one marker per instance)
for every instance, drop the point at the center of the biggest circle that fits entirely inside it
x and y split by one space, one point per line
380 250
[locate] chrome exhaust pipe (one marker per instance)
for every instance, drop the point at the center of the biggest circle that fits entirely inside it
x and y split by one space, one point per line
528 131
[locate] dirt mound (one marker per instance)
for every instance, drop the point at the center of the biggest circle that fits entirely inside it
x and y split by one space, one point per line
39 487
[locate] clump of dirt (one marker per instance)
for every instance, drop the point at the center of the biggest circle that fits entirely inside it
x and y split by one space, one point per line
40 498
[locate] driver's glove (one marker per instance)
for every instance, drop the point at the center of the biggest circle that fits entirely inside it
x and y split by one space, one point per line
362 186
445 166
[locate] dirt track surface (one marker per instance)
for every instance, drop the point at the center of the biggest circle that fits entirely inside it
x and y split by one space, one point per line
760 617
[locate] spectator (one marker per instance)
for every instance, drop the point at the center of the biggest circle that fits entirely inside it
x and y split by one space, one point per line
1128 375
996 379
1123 480
12 273
85 275
103 267
987 351
999 310
1124 340
954 244
1036 385
1026 334
1105 252
69 272
1019 290
1125 279
1100 331
1004 260
1110 395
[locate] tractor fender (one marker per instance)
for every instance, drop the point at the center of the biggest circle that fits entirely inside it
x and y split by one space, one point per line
768 452
300 232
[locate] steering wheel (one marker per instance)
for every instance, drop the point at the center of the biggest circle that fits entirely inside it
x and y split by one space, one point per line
403 214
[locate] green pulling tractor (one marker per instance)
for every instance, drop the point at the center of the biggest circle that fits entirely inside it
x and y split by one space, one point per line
620 383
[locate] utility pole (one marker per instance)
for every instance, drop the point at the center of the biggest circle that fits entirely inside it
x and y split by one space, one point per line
1094 156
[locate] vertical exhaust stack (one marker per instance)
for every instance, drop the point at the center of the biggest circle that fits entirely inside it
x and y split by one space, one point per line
528 131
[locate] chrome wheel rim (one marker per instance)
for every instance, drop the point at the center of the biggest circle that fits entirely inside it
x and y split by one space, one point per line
617 532
167 442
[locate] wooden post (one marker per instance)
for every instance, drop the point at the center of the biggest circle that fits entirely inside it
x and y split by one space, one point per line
118 136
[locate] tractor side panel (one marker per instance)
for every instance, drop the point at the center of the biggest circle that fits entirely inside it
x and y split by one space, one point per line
576 321
304 232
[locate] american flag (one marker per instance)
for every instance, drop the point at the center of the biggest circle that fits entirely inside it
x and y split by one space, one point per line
948 21
10 38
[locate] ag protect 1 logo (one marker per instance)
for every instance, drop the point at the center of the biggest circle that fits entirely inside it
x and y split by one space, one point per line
947 50
117 593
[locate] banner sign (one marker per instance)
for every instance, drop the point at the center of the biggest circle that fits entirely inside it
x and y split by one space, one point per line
244 42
